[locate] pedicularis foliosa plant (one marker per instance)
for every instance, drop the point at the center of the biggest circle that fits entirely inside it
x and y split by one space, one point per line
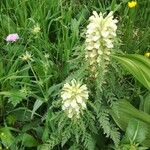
61 84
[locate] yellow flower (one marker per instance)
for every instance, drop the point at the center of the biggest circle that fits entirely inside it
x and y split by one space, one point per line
132 4
147 54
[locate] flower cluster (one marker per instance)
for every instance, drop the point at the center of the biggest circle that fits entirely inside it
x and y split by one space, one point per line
74 97
100 35
26 57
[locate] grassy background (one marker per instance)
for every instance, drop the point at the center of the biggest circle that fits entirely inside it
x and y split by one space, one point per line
63 24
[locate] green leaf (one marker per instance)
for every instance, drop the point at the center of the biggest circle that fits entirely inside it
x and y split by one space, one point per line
138 66
89 142
2 68
45 135
136 131
28 140
7 21
10 119
65 137
146 142
53 90
43 147
37 104
22 114
140 59
122 112
145 103
6 137
15 96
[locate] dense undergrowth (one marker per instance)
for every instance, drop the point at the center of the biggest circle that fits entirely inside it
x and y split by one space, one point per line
50 95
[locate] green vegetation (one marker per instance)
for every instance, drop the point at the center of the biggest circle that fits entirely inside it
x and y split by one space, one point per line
63 87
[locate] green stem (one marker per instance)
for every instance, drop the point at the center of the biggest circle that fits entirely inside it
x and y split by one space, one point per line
36 78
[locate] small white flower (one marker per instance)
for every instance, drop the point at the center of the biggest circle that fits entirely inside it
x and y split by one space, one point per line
36 29
73 103
26 57
79 99
83 105
74 96
46 56
66 104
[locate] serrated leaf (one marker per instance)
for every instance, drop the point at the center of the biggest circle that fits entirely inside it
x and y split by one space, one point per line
14 96
89 142
65 137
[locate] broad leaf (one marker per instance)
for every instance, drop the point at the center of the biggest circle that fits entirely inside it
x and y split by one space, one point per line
145 103
136 131
28 140
43 147
22 114
7 138
122 112
138 66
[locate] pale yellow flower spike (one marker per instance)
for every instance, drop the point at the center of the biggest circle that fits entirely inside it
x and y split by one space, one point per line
132 4
100 35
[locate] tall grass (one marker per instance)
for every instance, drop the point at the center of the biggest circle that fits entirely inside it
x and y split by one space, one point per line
29 90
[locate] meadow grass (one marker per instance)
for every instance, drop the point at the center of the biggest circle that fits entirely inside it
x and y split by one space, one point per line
57 51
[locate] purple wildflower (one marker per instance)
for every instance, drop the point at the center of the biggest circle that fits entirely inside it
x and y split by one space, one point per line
12 37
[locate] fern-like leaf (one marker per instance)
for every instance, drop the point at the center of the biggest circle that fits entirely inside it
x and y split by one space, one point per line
89 142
